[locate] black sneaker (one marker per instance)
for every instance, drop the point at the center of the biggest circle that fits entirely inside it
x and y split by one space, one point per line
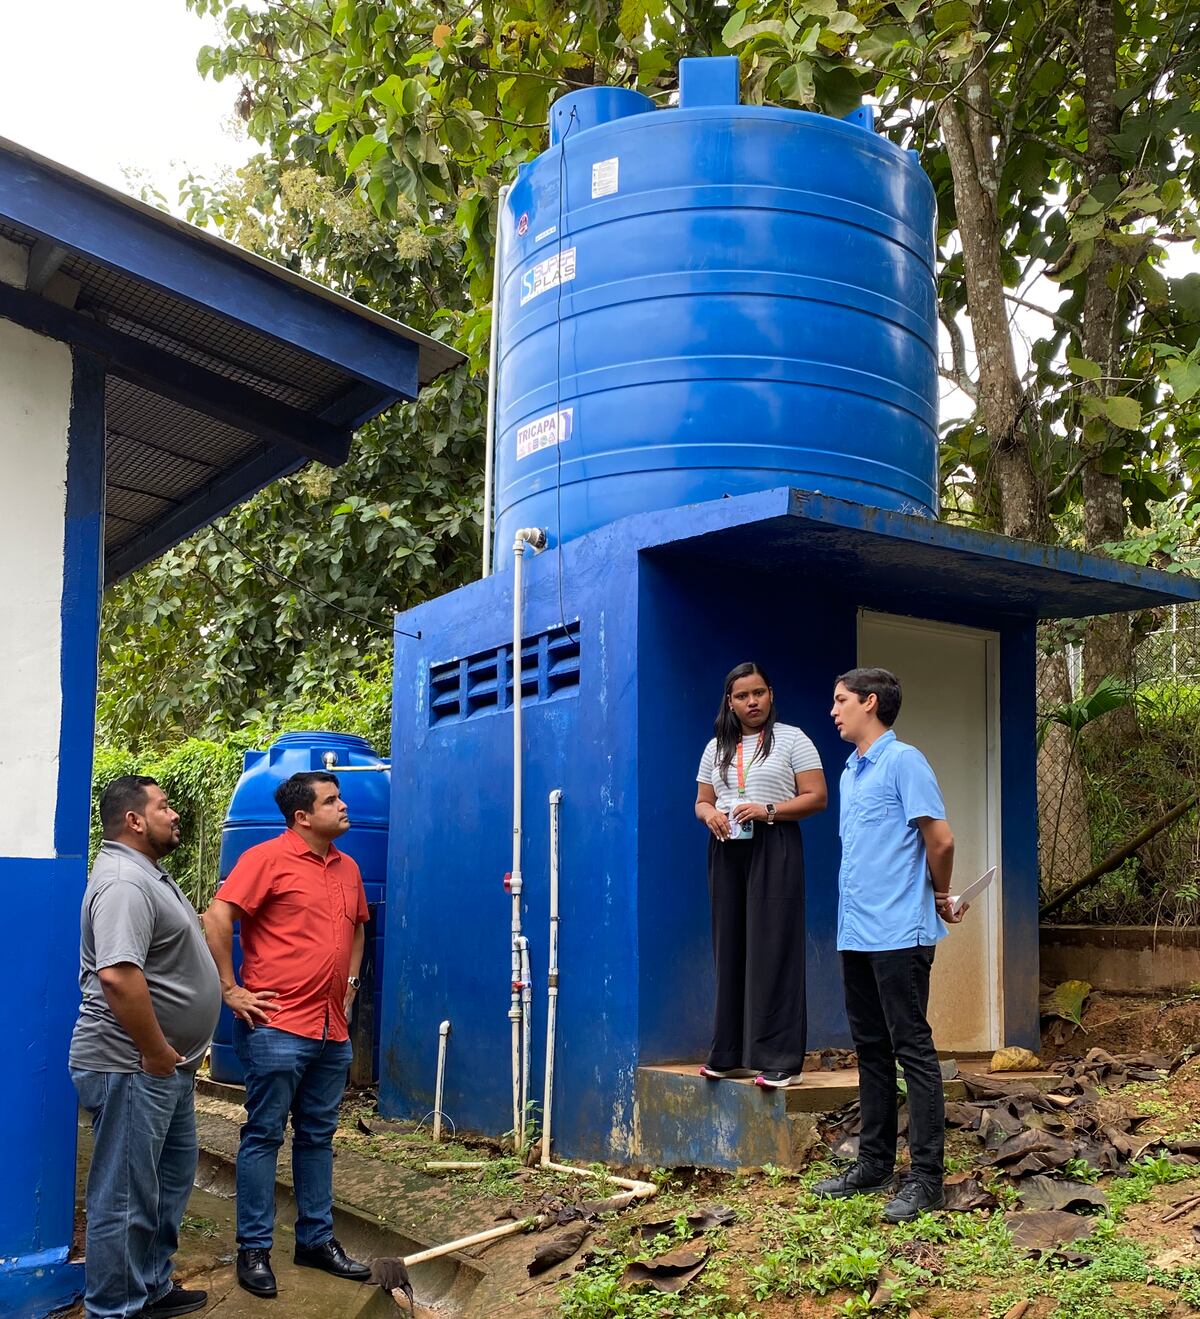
778 1080
179 1300
912 1199
856 1180
723 1073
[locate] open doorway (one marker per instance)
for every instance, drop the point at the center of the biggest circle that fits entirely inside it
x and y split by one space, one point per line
950 679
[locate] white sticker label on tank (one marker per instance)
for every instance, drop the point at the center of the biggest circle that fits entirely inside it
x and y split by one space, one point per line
604 176
542 432
548 274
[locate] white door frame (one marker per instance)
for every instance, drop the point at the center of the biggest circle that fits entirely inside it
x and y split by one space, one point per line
992 901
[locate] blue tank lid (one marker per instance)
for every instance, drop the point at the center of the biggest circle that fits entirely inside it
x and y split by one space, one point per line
591 106
366 795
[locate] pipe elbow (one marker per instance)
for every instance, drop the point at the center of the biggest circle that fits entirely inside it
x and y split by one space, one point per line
534 536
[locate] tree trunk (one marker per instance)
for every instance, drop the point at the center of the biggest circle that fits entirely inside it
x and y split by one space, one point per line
968 128
1106 648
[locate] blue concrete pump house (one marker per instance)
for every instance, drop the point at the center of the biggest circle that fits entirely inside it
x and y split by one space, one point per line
151 376
619 700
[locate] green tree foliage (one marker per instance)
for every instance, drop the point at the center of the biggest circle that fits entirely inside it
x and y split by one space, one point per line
1060 141
199 774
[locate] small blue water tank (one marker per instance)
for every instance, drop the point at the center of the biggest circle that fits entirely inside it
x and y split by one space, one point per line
254 817
712 299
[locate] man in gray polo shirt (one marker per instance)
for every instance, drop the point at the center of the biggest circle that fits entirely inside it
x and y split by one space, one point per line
150 1002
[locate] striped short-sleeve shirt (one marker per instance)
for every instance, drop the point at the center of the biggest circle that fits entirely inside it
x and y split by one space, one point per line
768 779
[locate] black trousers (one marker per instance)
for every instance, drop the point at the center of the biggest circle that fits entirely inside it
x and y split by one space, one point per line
756 886
887 997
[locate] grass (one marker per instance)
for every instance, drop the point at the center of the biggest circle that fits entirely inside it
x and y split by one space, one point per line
597 1293
200 1227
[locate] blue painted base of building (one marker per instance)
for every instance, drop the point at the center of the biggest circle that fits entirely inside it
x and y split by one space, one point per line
628 633
35 1285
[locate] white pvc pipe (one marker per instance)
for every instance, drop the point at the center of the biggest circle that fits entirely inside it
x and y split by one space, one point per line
635 1191
551 978
537 538
526 1034
489 452
443 1033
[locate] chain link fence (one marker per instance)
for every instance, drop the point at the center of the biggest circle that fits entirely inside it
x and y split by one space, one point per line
1113 763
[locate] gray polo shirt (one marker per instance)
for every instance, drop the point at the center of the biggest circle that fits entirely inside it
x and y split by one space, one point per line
133 911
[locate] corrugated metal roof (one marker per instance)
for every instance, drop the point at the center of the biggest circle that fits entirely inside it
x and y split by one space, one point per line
224 370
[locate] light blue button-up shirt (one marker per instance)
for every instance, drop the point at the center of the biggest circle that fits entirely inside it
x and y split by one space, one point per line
885 895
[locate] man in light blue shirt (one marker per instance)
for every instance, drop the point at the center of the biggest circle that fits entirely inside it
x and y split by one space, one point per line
893 902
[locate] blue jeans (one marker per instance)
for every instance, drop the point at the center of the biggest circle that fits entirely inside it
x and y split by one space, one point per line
143 1167
286 1072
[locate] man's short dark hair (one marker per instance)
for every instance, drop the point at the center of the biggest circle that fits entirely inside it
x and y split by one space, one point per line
128 793
875 682
299 792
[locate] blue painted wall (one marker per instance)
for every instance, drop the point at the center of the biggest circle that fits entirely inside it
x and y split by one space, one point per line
667 603
448 935
695 626
41 900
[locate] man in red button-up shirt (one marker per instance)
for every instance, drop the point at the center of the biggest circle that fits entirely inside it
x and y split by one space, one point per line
302 910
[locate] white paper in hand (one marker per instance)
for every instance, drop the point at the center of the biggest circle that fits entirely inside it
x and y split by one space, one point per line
971 892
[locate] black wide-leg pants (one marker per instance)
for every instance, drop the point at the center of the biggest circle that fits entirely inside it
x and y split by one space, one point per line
756 887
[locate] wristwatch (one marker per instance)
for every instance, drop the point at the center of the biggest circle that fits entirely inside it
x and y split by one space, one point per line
770 812
354 982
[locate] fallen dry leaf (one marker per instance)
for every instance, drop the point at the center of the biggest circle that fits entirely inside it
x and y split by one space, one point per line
964 1193
558 1248
670 1272
708 1217
1045 1229
1016 1311
1052 1150
1174 1258
1041 1192
881 1296
1014 1060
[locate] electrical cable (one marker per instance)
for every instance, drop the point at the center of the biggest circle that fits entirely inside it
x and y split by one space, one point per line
291 581
558 426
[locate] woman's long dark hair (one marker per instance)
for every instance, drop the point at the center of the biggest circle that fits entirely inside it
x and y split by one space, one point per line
727 727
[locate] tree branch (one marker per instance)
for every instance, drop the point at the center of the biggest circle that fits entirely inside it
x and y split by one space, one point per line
1059 148
959 376
1041 311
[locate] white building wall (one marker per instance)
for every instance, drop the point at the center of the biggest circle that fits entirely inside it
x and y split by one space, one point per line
35 405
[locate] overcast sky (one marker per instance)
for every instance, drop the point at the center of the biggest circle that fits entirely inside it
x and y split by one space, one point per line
103 85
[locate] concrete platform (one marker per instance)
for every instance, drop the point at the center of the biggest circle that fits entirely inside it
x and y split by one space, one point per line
686 1120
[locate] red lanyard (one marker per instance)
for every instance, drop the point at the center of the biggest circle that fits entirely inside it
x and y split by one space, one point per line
741 769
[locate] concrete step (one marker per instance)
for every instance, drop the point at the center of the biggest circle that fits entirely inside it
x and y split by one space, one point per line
685 1120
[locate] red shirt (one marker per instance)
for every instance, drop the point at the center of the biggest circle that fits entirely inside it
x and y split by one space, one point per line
301 913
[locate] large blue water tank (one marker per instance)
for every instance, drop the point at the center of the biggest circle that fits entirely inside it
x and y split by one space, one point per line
254 817
712 299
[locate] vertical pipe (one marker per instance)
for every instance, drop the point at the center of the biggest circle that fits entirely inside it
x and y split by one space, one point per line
526 1033
489 453
514 1008
537 538
551 977
443 1032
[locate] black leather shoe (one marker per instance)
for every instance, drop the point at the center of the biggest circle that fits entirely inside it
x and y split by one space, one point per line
914 1198
179 1300
333 1259
856 1180
254 1272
